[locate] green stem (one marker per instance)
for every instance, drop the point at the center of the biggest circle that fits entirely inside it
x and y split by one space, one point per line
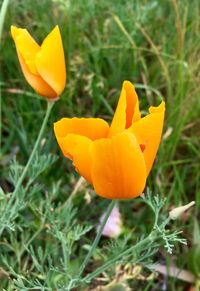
26 245
151 237
48 111
79 183
98 236
3 11
20 181
154 235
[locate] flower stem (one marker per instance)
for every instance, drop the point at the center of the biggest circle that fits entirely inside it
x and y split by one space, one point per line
48 111
150 238
3 12
20 181
98 236
79 183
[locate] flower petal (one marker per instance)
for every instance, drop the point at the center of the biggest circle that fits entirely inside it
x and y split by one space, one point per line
148 132
118 169
26 46
93 128
36 82
50 61
74 136
26 49
77 148
127 109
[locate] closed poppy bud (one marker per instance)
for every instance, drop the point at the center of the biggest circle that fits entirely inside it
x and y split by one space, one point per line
115 159
43 66
178 211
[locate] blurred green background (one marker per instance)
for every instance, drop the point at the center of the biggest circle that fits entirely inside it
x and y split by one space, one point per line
154 44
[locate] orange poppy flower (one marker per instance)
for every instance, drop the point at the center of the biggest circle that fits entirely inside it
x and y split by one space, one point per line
43 66
115 159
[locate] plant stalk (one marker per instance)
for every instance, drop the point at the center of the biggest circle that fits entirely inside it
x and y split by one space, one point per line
3 12
151 237
20 181
98 236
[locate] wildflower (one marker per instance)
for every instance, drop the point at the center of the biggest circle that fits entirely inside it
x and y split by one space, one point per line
116 160
113 226
43 66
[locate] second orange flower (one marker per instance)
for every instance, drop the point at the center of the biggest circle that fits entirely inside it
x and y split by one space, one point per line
43 66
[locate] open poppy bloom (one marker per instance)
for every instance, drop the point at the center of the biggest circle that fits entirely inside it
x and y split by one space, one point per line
43 66
115 159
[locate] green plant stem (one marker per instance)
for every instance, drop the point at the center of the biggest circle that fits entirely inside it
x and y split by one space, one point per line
98 236
153 236
150 238
25 247
3 11
48 111
20 181
79 183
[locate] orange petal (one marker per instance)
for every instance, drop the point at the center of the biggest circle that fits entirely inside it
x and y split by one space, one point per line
26 49
26 46
50 61
93 128
118 168
127 109
77 148
148 132
36 82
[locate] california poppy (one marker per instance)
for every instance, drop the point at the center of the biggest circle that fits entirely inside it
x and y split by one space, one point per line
115 159
43 66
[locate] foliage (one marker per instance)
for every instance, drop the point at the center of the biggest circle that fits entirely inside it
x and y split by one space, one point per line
154 44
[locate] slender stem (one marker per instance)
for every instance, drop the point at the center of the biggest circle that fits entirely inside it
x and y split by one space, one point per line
20 181
79 183
0 121
31 239
98 236
152 236
3 11
48 111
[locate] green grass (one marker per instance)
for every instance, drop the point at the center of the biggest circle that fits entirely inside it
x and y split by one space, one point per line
155 44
